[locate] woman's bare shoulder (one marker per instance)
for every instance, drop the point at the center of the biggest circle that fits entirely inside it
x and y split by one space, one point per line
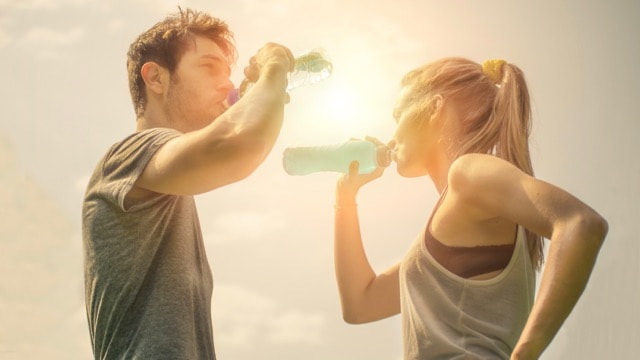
470 171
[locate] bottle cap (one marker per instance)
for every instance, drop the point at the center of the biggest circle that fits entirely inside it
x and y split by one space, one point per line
233 97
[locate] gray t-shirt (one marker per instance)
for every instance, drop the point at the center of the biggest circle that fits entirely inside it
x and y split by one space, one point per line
148 283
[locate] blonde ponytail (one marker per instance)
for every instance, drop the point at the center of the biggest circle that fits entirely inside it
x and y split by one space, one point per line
492 102
512 109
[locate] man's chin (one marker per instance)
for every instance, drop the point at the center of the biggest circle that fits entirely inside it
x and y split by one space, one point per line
219 110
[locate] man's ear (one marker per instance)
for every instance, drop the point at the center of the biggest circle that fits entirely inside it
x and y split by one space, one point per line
154 76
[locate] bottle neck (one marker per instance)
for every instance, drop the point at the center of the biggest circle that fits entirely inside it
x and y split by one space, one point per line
384 156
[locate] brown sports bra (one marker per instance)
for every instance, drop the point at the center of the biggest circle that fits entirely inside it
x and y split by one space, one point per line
465 261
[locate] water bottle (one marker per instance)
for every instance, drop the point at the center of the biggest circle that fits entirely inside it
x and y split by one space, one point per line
309 68
336 158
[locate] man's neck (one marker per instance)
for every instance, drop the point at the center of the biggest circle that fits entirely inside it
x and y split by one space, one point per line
152 119
141 124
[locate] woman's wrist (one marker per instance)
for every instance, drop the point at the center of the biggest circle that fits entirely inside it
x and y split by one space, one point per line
526 351
345 199
344 206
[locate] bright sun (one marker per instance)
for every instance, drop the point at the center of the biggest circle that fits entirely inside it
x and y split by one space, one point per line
348 104
344 110
343 103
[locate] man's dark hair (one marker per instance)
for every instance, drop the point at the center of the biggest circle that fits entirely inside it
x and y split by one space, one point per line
166 42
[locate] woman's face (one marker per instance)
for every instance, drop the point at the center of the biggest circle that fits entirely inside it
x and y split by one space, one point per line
412 140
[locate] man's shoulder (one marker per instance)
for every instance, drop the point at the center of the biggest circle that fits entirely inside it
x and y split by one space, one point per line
153 135
117 170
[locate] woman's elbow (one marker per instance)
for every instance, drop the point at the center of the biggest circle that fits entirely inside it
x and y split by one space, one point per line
600 227
356 314
352 318
351 313
594 226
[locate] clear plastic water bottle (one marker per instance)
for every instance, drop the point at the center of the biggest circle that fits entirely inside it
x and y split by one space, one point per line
335 158
309 68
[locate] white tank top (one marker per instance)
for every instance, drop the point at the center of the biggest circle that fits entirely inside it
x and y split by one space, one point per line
445 316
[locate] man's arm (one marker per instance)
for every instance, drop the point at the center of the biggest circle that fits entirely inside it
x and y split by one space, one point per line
233 145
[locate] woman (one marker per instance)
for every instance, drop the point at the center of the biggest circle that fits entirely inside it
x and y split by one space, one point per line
466 286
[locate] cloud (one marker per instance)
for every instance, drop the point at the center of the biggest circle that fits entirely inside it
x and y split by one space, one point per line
41 4
41 292
50 44
115 25
48 37
80 183
164 6
295 327
5 39
247 225
242 316
239 314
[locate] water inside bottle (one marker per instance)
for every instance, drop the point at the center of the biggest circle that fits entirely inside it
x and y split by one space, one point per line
310 68
313 61
335 158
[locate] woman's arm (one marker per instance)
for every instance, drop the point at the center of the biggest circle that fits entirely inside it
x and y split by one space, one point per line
498 189
364 295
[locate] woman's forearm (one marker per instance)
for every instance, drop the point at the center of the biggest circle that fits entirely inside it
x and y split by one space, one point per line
364 295
353 271
572 255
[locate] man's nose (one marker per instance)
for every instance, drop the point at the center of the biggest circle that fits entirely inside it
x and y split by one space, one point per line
226 86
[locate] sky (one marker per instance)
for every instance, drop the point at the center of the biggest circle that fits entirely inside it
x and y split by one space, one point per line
64 100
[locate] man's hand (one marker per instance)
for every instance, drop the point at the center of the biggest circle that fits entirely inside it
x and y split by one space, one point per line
270 55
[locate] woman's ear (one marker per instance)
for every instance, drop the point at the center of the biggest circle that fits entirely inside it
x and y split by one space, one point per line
435 107
154 76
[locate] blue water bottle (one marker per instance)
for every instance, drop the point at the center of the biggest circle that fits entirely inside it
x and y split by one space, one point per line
335 158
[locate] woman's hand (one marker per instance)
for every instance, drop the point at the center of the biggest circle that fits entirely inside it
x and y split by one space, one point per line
349 184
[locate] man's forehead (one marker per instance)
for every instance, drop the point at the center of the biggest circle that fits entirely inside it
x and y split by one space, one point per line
202 46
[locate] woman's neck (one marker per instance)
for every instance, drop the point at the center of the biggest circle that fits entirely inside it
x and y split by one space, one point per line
439 165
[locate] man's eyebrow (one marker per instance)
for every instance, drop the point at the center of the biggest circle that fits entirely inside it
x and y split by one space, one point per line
218 59
213 57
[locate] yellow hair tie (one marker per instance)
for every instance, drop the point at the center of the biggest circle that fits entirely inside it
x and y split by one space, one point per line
493 69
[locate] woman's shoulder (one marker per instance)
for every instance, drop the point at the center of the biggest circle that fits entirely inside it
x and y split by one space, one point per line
475 175
477 167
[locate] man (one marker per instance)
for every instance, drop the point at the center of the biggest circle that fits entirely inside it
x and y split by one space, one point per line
148 283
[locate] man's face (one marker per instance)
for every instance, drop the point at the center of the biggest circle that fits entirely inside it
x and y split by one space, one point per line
199 85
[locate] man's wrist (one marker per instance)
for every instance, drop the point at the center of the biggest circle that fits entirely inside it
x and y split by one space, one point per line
274 69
